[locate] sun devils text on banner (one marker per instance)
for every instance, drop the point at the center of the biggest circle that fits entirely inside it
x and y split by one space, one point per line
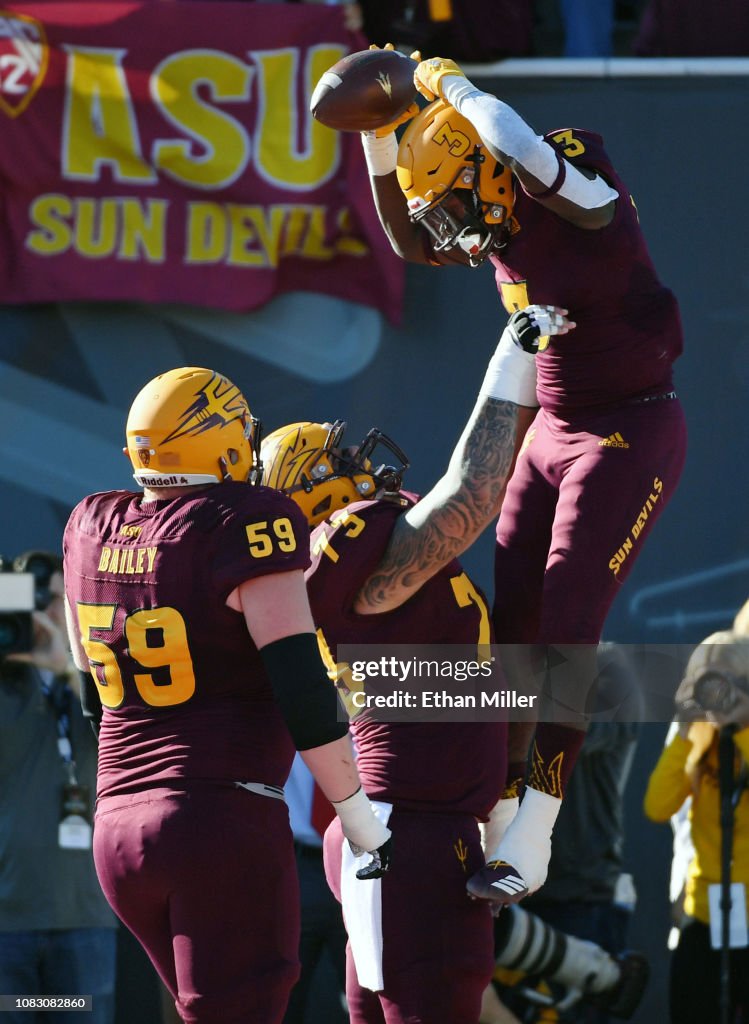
166 153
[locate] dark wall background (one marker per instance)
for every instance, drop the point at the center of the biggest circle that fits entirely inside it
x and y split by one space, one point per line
67 376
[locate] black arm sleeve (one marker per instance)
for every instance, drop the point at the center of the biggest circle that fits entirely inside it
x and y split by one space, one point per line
90 703
307 698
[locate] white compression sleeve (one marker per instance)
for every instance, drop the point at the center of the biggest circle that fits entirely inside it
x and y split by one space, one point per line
505 131
511 374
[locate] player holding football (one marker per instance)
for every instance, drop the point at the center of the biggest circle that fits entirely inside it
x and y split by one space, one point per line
472 182
189 619
385 571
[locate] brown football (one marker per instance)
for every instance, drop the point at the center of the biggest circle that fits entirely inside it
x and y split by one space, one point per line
364 90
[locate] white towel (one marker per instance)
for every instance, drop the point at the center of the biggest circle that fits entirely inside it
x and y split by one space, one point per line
362 911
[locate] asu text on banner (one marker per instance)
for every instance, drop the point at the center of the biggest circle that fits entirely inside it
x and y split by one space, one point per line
164 152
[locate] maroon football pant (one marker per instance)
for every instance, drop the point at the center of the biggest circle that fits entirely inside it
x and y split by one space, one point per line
206 880
580 505
438 951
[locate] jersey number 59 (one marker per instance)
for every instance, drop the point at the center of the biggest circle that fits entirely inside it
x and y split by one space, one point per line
156 640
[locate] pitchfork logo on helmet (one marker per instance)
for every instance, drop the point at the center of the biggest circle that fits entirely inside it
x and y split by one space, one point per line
218 404
461 194
191 426
307 461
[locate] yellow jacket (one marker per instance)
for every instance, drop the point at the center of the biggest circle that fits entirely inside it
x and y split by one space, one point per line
669 786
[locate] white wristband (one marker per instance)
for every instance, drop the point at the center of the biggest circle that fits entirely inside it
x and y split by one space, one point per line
381 154
511 374
359 824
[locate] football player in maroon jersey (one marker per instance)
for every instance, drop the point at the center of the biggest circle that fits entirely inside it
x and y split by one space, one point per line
189 619
384 570
471 182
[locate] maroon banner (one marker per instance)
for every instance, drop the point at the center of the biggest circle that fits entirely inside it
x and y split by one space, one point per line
164 152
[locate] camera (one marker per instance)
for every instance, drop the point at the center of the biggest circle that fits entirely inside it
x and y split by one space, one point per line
718 692
42 565
17 601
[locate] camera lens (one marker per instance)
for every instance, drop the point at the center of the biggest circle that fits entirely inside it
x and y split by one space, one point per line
9 632
714 692
15 632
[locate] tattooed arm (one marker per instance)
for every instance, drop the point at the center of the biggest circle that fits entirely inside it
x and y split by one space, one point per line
450 517
464 501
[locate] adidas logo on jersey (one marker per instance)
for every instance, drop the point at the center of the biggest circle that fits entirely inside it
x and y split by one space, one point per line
614 441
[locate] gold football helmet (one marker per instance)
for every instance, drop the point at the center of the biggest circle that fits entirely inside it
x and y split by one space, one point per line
191 426
308 463
452 183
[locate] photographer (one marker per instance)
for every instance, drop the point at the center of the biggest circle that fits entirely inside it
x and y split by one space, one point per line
712 697
57 934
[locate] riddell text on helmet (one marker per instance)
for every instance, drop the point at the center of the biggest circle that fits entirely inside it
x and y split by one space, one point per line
165 481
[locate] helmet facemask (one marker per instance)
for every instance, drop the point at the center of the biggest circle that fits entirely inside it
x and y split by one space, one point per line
308 462
460 219
386 478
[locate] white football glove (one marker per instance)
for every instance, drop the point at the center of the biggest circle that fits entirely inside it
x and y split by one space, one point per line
527 326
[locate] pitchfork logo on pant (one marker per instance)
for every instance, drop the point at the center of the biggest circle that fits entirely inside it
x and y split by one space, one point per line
23 61
461 852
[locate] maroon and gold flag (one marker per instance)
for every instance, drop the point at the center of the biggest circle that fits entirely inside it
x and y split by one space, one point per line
164 152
